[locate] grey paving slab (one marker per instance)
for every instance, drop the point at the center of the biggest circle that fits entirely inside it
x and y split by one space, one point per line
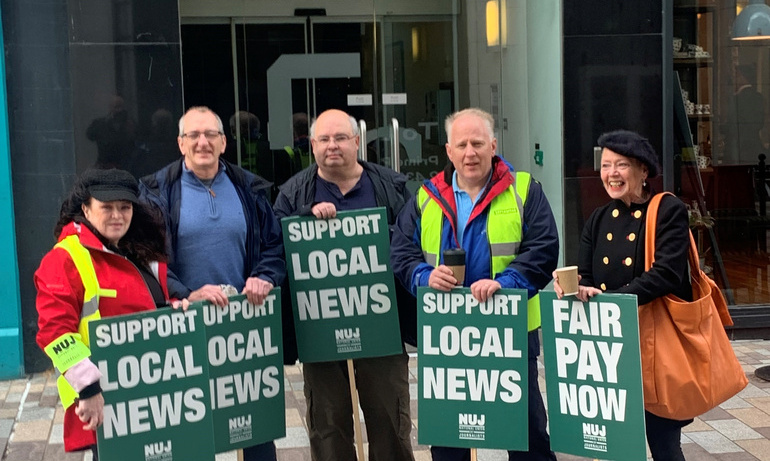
738 430
714 442
296 437
734 429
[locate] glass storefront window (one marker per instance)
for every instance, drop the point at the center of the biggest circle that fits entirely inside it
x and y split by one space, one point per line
722 135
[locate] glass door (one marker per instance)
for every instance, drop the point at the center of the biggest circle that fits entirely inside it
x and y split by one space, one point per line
268 77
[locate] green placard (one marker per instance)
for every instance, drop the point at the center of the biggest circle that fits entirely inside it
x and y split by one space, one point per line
156 386
593 373
342 287
245 353
472 369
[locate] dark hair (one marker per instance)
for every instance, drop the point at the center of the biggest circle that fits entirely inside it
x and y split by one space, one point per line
145 240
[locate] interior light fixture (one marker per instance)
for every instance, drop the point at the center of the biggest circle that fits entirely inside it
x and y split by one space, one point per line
753 22
497 23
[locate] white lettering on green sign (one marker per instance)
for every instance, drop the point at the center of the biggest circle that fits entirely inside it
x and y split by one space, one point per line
452 303
590 402
471 384
589 363
348 226
602 319
469 342
150 368
237 310
240 388
175 323
321 264
153 412
331 303
235 348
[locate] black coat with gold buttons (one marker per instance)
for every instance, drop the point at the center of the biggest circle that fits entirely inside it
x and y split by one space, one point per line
611 255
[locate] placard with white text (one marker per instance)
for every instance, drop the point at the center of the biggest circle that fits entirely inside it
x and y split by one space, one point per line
155 385
593 376
472 369
342 287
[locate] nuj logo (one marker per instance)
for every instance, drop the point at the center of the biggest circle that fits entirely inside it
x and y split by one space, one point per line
239 422
594 429
347 333
64 344
470 419
157 448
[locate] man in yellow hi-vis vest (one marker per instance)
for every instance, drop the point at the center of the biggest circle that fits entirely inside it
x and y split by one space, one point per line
505 225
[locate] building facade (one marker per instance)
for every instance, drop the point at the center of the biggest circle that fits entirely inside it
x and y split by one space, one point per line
95 83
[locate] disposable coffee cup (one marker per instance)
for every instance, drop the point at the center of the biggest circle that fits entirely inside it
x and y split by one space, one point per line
568 279
455 259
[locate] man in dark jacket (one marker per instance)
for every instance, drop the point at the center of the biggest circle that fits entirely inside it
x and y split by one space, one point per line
337 182
505 225
220 228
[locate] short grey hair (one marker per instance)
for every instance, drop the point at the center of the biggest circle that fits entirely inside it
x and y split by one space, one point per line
351 119
201 109
485 116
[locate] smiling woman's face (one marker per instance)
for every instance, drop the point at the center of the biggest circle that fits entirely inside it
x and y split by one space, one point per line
623 177
111 219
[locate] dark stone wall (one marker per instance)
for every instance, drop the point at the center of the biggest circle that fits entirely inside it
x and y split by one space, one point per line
90 83
614 77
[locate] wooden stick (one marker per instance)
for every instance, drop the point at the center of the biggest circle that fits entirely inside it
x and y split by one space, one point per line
356 419
239 454
473 454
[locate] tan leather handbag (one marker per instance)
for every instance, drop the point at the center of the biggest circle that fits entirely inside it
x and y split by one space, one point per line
688 363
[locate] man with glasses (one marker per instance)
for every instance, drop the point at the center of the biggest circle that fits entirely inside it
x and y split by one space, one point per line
220 229
337 182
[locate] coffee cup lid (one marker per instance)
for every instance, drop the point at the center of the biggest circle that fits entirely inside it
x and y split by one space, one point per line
454 257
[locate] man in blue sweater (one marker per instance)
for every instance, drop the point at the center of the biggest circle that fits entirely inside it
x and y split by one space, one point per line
220 227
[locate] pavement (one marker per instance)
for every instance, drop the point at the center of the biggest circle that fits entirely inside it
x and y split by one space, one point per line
737 430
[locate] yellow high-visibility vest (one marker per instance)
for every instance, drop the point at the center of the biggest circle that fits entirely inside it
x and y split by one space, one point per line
504 232
71 348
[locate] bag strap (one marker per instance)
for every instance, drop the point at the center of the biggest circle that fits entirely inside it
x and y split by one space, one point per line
649 238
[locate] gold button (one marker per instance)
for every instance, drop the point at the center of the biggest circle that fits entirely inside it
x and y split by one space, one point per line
632 236
606 260
628 261
615 213
603 287
637 214
609 236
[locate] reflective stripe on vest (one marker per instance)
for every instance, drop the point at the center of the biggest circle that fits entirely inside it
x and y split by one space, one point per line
504 240
90 311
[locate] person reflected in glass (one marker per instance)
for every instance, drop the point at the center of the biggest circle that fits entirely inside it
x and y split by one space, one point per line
745 119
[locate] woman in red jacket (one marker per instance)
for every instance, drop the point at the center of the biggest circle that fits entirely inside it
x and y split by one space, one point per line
109 260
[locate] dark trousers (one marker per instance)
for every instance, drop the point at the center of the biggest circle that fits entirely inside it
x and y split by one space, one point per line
262 452
663 437
383 390
539 441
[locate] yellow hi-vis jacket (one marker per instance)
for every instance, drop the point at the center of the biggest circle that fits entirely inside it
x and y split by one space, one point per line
504 232
77 344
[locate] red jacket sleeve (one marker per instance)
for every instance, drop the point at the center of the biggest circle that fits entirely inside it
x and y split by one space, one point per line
59 296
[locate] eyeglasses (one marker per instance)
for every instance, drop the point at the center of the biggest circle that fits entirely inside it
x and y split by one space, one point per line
338 139
211 135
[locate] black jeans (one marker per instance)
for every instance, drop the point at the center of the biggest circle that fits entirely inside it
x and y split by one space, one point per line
663 437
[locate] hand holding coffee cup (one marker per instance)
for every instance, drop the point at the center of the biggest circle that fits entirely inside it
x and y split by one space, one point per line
568 280
454 259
